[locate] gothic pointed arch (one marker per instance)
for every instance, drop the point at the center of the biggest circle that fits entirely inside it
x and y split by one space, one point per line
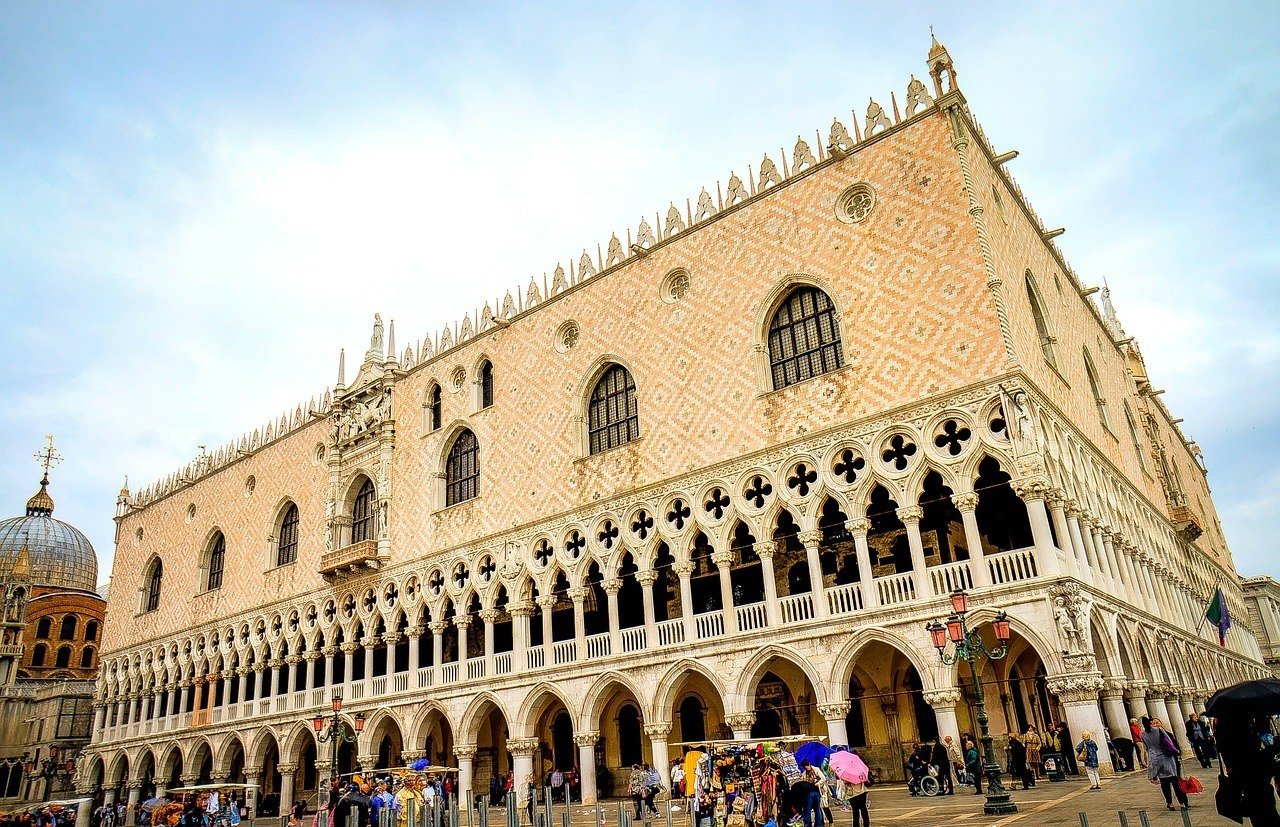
801 333
461 468
1043 335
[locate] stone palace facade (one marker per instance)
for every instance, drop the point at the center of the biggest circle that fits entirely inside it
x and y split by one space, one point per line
712 480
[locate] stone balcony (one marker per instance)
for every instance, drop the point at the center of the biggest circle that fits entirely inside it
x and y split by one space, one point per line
350 559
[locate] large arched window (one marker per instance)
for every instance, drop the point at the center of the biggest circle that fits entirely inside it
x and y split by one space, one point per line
462 469
434 408
1042 327
804 340
63 659
486 384
1096 389
68 630
91 630
38 655
44 628
1133 433
86 657
287 546
612 418
362 513
155 577
217 560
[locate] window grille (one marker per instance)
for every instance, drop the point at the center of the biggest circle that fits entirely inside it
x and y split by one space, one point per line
362 514
462 470
612 416
804 340
287 550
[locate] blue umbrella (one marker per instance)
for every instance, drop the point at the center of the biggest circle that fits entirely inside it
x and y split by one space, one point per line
815 752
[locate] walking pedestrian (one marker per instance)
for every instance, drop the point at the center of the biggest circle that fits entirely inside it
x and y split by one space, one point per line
1162 761
1087 754
939 758
1018 762
810 796
1136 731
1064 748
857 797
1198 736
973 764
1031 738
635 789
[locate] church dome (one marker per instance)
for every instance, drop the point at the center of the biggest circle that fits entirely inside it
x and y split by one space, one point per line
43 551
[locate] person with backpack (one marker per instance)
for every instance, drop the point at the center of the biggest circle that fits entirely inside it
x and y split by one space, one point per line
1162 761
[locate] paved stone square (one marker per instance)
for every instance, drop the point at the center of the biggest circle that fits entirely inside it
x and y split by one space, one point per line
1047 804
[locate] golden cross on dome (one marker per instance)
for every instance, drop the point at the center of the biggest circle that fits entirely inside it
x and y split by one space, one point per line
48 456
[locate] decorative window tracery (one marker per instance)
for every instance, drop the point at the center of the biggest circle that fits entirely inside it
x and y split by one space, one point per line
486 385
362 513
613 415
154 581
287 548
462 469
217 562
804 340
434 407
1042 327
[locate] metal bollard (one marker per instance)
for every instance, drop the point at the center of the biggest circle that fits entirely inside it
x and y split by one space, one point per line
1142 818
1084 819
1124 818
1186 818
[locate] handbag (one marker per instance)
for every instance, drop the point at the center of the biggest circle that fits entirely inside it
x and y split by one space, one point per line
1192 785
1229 799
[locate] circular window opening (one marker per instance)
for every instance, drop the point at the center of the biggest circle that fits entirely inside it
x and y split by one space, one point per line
567 336
675 286
855 203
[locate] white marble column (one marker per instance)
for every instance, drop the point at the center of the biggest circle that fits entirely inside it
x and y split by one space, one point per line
812 541
1079 696
1084 562
967 505
1113 707
520 614
683 570
466 754
329 652
1032 493
586 742
1056 500
488 617
658 734
413 634
463 624
944 703
646 579
546 602
740 723
723 560
523 749
772 611
862 554
835 714
437 628
911 517
611 588
287 776
578 596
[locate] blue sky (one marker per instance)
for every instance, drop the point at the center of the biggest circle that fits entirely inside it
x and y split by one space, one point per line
203 202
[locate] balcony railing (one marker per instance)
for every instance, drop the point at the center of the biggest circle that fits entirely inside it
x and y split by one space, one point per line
1011 566
751 617
598 645
633 640
709 624
671 632
354 557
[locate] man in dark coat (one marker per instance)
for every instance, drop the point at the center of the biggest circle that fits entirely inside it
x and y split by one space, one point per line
1066 747
939 758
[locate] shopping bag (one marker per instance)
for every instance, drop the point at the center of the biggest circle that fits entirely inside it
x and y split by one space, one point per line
1192 785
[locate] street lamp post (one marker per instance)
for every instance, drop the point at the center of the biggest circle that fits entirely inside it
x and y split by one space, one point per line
330 729
49 768
968 646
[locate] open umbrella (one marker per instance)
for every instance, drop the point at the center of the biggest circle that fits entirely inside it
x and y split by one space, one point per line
1246 699
815 752
152 803
848 767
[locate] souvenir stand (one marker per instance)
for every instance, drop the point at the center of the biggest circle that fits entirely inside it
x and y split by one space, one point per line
733 783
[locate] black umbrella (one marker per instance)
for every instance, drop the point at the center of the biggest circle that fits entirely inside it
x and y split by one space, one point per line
1247 699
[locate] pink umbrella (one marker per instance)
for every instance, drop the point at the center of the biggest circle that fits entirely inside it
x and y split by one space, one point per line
848 767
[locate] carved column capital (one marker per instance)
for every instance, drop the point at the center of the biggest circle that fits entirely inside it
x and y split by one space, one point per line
834 711
965 502
810 539
586 739
682 569
911 514
287 768
1078 688
739 721
522 746
577 594
611 586
523 608
1033 487
722 559
765 549
858 527
490 615
415 630
465 751
942 698
349 648
546 601
437 627
660 731
647 577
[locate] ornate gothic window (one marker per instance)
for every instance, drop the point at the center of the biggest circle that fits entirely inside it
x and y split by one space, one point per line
1096 389
1137 439
612 418
154 578
486 384
287 548
217 561
1042 327
462 470
434 408
804 340
362 514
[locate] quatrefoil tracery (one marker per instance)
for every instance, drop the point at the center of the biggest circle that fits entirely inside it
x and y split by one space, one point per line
678 513
608 534
717 502
574 545
953 438
802 479
542 552
757 491
899 452
486 568
642 524
848 465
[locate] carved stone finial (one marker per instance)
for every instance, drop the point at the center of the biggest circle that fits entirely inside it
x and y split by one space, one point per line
839 138
802 157
675 224
769 175
917 96
586 267
705 208
558 282
644 235
615 252
737 190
